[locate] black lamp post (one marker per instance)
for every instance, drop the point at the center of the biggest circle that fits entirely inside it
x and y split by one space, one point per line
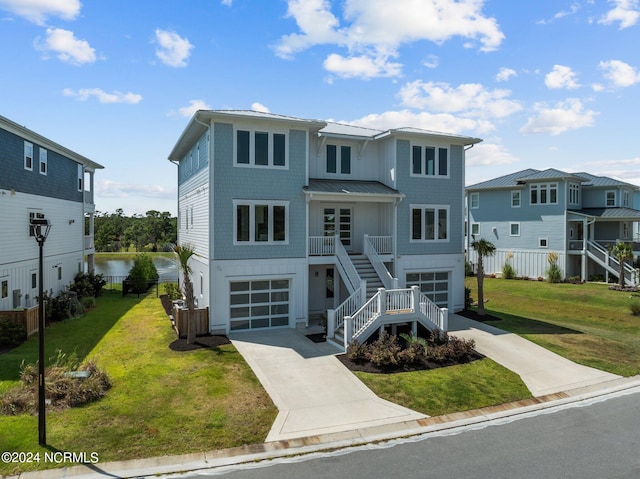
41 227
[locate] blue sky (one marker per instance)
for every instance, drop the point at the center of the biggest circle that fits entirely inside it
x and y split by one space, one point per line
550 83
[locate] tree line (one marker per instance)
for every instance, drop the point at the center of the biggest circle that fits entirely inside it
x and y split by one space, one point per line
153 231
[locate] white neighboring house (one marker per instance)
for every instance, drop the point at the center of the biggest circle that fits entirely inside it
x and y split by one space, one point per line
294 218
42 179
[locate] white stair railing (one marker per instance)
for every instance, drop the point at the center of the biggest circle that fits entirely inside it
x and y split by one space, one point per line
346 267
371 252
602 256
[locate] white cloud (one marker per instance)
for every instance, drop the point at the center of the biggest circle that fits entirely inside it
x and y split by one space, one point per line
67 47
103 97
505 74
227 3
431 61
562 13
37 11
470 99
259 107
564 116
173 50
374 30
561 77
626 12
620 73
489 154
194 105
361 66
113 189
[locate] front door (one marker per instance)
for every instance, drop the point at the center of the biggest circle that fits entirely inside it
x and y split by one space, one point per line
339 219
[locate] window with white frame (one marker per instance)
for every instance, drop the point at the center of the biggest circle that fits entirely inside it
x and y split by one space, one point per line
28 156
4 288
544 194
543 242
43 161
515 199
625 230
80 178
574 194
339 159
475 229
474 200
514 229
429 223
626 197
610 198
260 222
261 149
429 161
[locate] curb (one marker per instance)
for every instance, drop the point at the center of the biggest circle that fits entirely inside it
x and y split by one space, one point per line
137 468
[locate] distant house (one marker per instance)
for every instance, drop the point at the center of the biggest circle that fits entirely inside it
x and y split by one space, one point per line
531 213
294 219
42 179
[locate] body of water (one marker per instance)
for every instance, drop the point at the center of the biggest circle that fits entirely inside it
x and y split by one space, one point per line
168 268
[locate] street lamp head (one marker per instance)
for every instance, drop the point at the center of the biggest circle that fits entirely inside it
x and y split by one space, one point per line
41 227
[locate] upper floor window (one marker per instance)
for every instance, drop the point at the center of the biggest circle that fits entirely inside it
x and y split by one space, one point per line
610 198
28 156
515 199
80 178
339 159
261 149
429 223
544 194
43 161
474 200
429 161
626 198
260 222
574 194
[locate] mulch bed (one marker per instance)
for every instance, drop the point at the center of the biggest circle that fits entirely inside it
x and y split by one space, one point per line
202 342
470 314
368 367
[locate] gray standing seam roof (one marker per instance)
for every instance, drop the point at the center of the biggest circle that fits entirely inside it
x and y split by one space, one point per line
349 187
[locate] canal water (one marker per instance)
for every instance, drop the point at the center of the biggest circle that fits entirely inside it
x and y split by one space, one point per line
168 268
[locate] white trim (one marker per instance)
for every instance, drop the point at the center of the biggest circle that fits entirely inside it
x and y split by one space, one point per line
436 232
252 147
28 153
606 199
546 240
477 197
511 224
477 232
539 188
423 160
574 190
43 162
519 192
270 205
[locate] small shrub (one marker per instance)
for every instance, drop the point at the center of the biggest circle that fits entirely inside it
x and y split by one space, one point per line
554 273
540 278
88 302
635 307
172 290
508 271
596 278
468 268
357 351
11 333
384 350
415 350
88 285
468 300
142 274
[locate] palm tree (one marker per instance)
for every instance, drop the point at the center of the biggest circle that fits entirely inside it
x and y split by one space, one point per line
622 252
184 253
483 248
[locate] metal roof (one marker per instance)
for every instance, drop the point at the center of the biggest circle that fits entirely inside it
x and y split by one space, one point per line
597 181
350 187
343 129
610 213
506 181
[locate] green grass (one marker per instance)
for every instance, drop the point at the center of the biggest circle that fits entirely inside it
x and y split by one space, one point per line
586 323
452 389
162 402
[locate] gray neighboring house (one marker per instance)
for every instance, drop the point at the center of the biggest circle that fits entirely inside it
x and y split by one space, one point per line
531 213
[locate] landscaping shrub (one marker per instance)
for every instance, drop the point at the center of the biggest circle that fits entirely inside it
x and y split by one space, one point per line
508 271
383 352
635 307
596 278
142 274
415 349
88 302
468 300
554 273
65 305
88 285
357 352
11 333
172 290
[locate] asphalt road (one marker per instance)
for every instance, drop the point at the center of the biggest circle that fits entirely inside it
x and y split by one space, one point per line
595 439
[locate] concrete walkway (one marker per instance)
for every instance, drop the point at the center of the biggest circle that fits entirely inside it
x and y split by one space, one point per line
541 370
314 393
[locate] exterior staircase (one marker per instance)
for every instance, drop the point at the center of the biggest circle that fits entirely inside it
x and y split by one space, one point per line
367 272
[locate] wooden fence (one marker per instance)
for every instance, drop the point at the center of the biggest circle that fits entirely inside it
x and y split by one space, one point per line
28 317
181 316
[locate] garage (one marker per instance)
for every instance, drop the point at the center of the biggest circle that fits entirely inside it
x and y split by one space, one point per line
433 284
259 304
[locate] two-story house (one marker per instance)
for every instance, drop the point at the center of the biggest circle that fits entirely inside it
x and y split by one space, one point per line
293 219
42 179
531 213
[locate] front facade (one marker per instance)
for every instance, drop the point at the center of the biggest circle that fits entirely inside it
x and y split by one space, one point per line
530 213
290 218
42 179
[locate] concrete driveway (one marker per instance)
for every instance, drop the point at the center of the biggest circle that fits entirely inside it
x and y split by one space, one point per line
314 393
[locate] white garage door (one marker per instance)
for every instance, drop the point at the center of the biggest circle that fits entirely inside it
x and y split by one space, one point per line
259 304
434 285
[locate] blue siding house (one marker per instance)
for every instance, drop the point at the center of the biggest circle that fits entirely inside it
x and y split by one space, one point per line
531 213
42 179
295 219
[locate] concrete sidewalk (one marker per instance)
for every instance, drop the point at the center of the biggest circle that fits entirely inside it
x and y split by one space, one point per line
314 393
542 371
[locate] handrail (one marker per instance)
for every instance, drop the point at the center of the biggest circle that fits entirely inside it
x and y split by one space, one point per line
611 262
382 244
381 270
347 308
322 245
348 270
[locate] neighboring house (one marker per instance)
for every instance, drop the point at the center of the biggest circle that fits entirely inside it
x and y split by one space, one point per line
293 219
531 213
42 179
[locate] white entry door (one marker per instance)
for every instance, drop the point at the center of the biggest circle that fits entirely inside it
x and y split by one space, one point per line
339 219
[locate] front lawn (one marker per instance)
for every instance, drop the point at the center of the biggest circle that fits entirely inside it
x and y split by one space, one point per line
162 402
586 323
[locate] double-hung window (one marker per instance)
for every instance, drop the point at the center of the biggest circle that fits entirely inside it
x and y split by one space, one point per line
429 223
474 200
43 161
260 222
429 161
339 159
610 198
261 149
28 156
574 194
515 199
544 194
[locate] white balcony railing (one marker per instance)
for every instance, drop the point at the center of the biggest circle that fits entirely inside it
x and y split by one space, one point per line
381 244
